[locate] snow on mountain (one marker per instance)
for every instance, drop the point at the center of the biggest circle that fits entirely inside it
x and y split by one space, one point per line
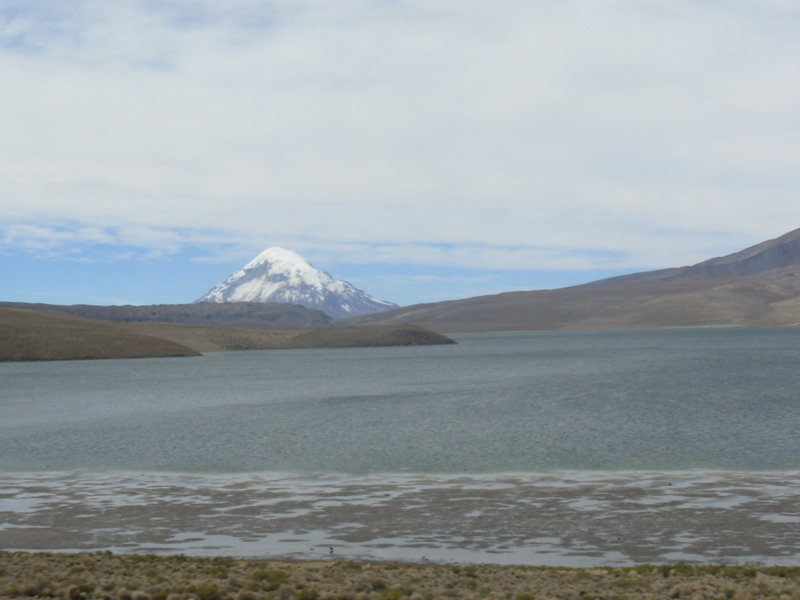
278 275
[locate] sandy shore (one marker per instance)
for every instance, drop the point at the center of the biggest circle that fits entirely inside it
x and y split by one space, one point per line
104 575
568 520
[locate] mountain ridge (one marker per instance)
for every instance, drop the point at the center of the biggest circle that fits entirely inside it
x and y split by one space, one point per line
755 287
239 314
770 255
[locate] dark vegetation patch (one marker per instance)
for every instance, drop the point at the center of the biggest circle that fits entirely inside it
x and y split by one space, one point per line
378 335
44 335
229 314
27 334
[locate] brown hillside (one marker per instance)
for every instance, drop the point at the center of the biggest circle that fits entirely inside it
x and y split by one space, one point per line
27 334
217 339
757 287
773 255
46 335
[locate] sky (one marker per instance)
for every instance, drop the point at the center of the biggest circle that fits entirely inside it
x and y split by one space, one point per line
423 150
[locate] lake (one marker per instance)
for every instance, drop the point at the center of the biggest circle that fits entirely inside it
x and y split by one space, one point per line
575 448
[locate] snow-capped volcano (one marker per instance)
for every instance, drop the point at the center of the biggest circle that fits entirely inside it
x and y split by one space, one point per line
278 275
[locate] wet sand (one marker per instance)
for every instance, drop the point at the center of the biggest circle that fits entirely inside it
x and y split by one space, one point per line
564 520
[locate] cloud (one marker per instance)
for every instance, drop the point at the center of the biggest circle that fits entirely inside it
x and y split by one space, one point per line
60 240
519 134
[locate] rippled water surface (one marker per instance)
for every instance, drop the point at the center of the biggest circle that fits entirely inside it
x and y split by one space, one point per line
546 448
709 399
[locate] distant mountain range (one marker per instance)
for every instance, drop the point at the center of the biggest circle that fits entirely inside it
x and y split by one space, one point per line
278 275
234 314
756 287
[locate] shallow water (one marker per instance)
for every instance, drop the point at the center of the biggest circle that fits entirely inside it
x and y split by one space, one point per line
562 519
537 448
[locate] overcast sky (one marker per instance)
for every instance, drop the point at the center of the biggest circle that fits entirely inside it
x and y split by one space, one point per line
421 149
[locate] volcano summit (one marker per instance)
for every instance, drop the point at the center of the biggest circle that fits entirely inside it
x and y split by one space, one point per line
278 275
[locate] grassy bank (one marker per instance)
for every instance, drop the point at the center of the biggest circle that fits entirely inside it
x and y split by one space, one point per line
49 335
209 338
27 334
146 577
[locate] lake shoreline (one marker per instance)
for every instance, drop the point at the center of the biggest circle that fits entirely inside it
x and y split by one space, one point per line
31 335
558 520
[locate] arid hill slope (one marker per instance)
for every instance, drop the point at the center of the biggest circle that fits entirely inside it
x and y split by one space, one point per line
757 287
209 338
30 334
49 335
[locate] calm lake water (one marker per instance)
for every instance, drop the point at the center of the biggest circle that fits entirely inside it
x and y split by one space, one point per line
557 439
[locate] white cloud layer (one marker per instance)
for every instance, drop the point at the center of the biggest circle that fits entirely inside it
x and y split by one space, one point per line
515 134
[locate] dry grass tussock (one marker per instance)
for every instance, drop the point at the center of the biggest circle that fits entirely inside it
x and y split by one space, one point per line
146 577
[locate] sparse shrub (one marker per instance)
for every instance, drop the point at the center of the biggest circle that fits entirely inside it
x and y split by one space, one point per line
393 594
271 579
124 594
96 576
378 584
32 589
81 591
207 591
